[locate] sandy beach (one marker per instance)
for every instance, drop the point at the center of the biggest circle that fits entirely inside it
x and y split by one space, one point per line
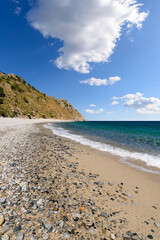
54 188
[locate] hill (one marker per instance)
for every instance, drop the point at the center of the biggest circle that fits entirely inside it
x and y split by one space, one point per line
20 99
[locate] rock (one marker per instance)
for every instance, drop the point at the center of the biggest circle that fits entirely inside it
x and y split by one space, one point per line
19 236
31 223
76 216
17 228
61 224
112 236
25 187
95 236
129 233
99 183
157 224
133 204
82 208
2 200
110 183
33 238
129 195
5 237
134 237
2 220
104 214
66 235
49 227
45 236
24 210
126 237
150 236
40 202
5 229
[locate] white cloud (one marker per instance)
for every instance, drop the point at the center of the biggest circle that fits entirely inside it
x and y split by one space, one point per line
99 82
114 103
15 1
92 105
18 10
88 29
113 80
91 111
142 104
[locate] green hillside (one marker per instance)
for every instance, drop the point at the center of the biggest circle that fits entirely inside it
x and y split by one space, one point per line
20 99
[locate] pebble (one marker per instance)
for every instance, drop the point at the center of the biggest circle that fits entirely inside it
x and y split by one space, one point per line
45 236
33 238
150 236
104 214
66 235
19 236
49 227
2 200
76 216
125 236
113 236
157 224
40 202
2 220
5 229
5 237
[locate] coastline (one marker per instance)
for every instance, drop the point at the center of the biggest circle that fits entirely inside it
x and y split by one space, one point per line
69 172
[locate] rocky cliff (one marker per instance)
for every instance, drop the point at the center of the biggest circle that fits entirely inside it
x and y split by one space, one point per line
20 99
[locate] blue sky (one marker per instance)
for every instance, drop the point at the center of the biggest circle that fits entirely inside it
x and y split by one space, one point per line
114 46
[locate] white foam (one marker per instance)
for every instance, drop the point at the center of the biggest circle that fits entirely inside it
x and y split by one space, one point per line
150 160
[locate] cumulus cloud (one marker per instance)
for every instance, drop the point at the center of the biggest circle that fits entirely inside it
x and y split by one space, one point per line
88 29
91 111
92 105
101 82
18 10
114 103
142 104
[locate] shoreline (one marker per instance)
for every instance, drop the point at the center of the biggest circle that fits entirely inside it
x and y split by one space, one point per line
111 169
143 161
54 188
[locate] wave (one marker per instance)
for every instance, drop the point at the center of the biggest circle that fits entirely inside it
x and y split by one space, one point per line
150 160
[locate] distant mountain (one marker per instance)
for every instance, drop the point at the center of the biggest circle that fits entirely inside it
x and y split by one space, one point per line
20 99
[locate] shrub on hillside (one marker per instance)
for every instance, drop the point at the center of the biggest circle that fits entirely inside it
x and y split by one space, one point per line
1 100
2 94
14 114
17 87
25 100
3 113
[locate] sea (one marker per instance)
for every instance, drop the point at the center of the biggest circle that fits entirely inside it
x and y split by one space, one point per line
130 140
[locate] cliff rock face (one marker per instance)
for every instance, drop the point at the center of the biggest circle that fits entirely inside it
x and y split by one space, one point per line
20 99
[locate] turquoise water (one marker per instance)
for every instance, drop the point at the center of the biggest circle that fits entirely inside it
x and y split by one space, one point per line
136 140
